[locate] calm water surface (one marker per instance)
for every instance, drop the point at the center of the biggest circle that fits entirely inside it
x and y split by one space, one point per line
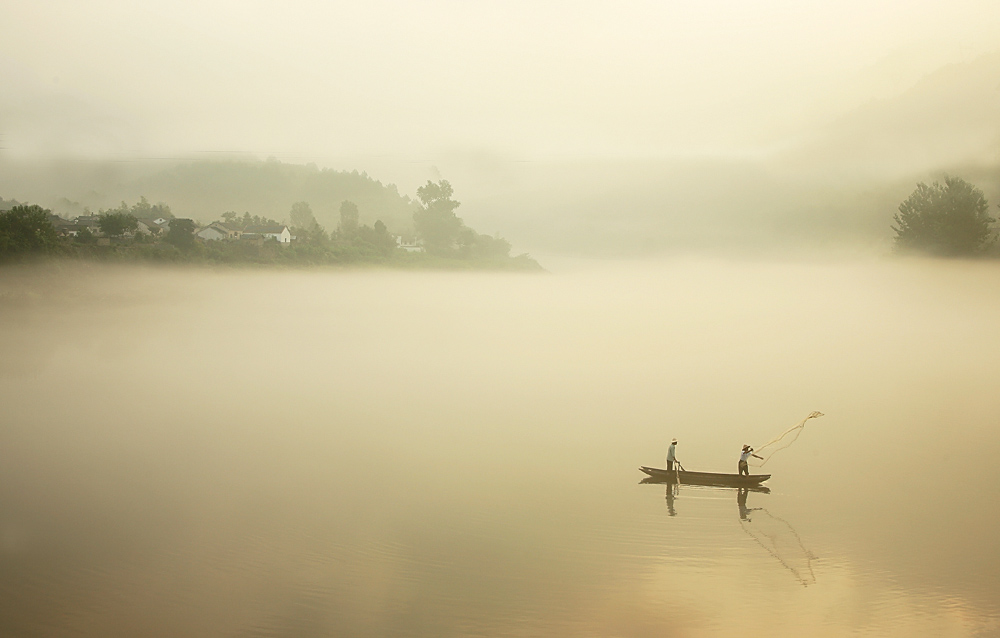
249 453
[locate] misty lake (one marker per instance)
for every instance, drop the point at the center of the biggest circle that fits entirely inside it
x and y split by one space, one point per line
319 453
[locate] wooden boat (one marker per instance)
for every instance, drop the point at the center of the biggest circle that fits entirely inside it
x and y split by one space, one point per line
705 478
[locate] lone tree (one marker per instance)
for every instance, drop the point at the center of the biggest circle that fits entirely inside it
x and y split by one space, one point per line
306 228
117 224
302 217
26 229
142 209
181 233
949 220
435 221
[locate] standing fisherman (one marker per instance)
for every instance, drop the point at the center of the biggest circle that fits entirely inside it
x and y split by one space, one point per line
672 455
744 455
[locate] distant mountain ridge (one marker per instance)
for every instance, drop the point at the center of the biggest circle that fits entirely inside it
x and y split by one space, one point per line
839 186
949 118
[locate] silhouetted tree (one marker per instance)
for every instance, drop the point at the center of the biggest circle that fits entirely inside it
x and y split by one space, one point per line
26 229
304 225
181 233
302 216
379 237
249 220
435 221
141 210
117 224
85 236
473 245
349 218
144 210
949 220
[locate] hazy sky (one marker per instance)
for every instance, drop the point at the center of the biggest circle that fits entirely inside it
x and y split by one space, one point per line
308 79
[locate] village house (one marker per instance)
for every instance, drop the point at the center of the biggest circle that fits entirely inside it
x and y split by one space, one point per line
148 227
73 230
217 231
90 222
212 233
64 227
278 232
410 245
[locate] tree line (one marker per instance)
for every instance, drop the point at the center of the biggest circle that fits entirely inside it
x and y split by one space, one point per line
949 220
440 237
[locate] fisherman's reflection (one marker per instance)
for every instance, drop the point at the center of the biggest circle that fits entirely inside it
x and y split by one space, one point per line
741 502
778 538
671 493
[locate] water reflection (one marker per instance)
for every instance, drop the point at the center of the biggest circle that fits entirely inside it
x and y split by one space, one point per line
673 488
774 534
778 538
175 514
741 502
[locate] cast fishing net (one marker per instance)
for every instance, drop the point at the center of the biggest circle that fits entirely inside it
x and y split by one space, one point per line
782 441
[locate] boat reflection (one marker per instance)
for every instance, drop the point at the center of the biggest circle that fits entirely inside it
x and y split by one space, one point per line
774 534
655 480
673 489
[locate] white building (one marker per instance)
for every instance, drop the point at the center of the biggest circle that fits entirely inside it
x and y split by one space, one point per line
279 232
409 245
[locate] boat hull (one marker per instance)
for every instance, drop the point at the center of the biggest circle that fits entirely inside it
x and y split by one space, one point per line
705 478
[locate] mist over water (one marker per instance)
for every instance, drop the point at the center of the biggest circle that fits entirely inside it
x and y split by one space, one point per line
276 453
262 451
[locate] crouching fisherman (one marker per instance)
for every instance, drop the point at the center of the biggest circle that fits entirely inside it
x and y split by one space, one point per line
744 455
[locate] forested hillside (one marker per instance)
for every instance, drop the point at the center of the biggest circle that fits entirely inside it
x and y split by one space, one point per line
204 190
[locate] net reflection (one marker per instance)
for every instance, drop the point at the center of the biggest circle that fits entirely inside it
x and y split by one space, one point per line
778 538
774 534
